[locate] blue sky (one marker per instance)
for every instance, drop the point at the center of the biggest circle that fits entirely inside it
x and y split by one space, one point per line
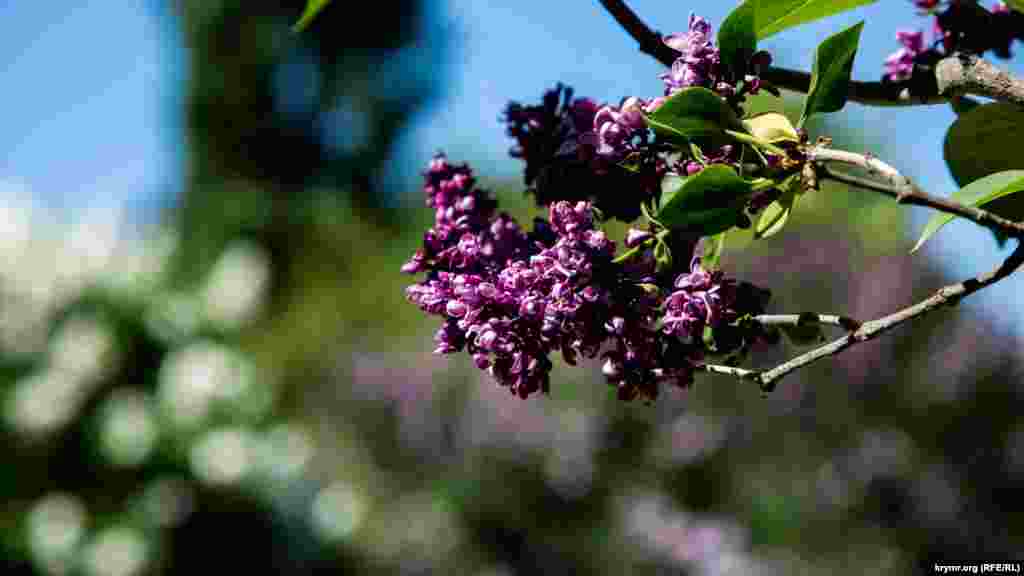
92 111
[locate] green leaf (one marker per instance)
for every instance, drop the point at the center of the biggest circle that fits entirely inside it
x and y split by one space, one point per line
963 104
1017 5
313 7
979 193
774 16
771 127
830 76
774 216
737 38
712 251
983 141
707 202
692 113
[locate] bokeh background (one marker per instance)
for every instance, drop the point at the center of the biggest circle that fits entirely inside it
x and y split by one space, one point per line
206 360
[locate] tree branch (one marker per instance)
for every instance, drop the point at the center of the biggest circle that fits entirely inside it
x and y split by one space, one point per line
949 295
968 74
649 40
844 322
955 75
903 190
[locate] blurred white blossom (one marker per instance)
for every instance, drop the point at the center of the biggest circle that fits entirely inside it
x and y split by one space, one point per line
223 456
116 551
55 526
235 290
338 511
128 428
192 378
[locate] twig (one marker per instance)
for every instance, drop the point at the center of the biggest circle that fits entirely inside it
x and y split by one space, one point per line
844 322
949 295
741 373
649 40
903 190
955 75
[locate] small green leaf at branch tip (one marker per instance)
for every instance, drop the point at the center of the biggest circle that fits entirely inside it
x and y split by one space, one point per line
830 75
692 113
313 7
774 217
737 38
712 250
771 127
978 193
774 16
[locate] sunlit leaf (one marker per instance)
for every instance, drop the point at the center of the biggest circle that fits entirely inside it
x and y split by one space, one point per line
713 248
313 7
830 76
774 16
980 193
773 218
771 127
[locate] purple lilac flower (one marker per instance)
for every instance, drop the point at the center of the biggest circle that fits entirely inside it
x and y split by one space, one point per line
614 129
1000 8
698 61
701 299
900 65
466 235
550 129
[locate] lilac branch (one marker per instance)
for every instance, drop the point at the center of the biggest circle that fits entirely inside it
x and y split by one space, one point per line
891 183
956 75
807 318
946 296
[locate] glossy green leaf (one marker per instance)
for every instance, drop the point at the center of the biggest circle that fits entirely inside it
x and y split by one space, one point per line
830 75
984 140
707 202
774 16
313 7
1017 5
985 192
737 37
771 127
692 113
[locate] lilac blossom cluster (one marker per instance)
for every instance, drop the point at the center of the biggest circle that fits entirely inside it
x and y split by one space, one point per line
572 149
957 27
700 64
510 299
